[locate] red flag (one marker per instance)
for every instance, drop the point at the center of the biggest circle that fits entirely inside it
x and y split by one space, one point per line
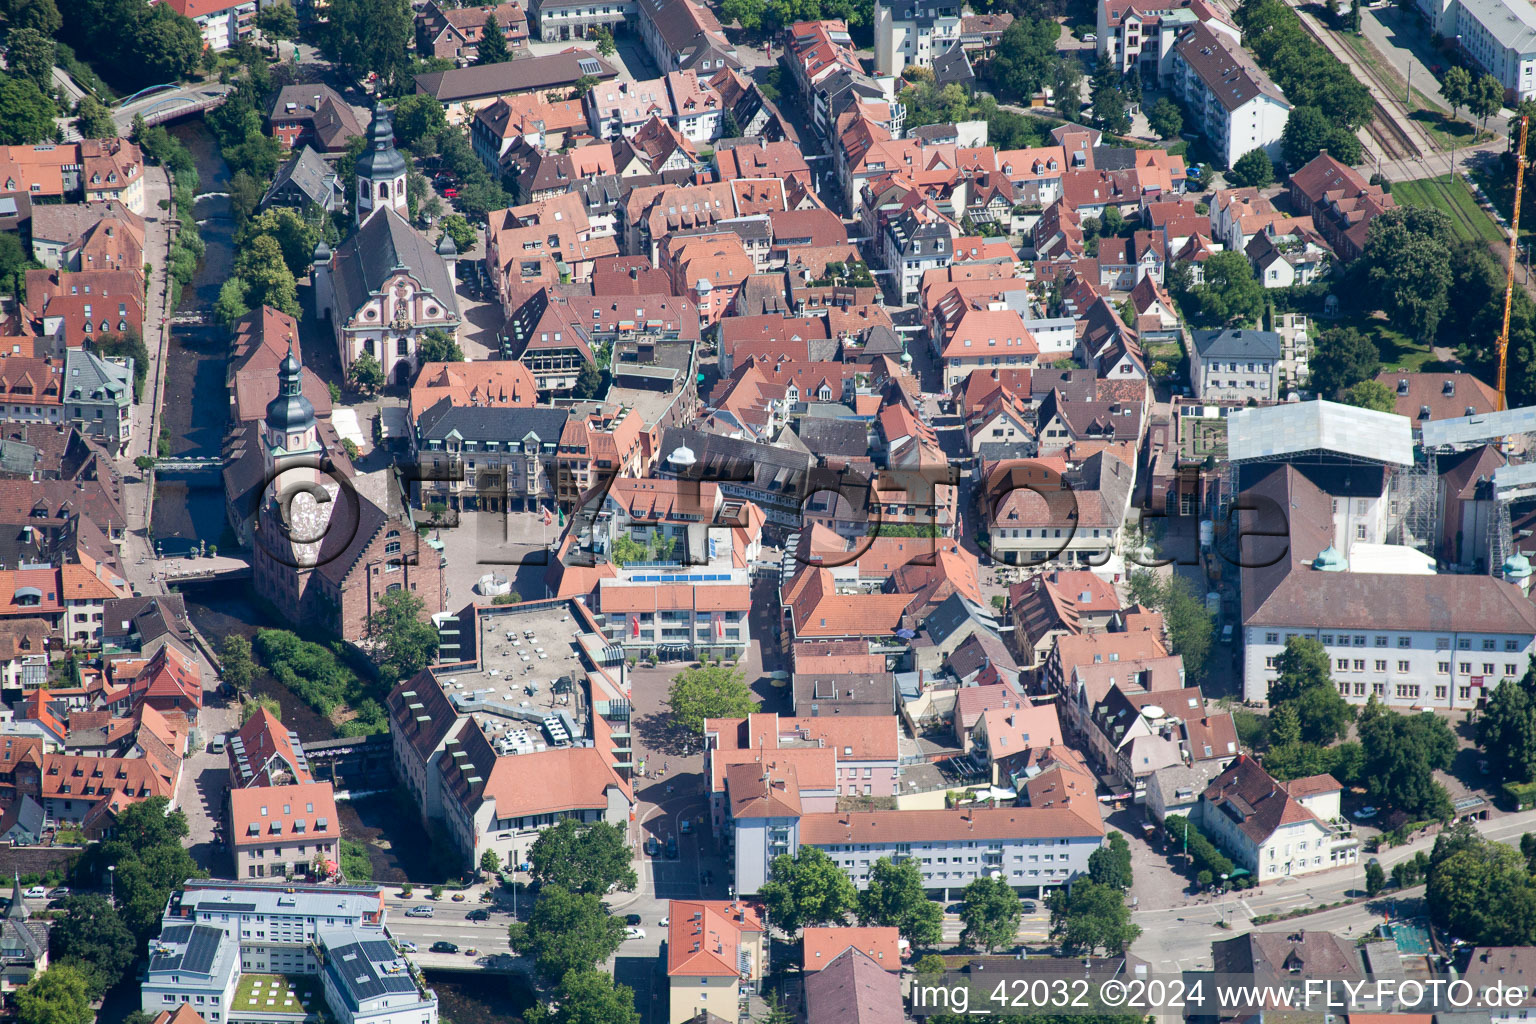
548 518
634 625
719 626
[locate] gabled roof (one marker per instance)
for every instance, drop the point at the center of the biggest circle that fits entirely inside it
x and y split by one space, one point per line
853 989
704 937
382 247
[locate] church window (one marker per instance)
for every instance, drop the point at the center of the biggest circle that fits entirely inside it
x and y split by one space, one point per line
383 190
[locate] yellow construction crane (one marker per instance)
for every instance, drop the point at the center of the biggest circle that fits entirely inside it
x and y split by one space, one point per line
1514 251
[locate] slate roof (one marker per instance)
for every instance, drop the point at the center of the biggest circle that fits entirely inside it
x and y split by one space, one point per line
1227 70
383 245
482 422
525 75
1237 344
310 174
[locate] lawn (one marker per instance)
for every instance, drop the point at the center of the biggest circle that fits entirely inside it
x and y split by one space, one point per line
278 993
1398 351
1453 199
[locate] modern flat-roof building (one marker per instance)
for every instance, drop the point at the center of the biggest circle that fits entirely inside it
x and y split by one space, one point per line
1501 36
214 933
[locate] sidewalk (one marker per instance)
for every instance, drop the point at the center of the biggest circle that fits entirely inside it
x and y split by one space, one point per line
136 553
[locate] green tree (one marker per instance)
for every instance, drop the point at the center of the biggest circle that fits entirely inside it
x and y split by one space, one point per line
1252 170
260 264
1024 58
1306 686
404 642
255 704
1375 877
88 934
1166 119
26 115
169 44
1306 134
709 692
748 13
589 381
493 43
29 54
230 306
371 36
1456 87
41 15
235 661
1088 916
588 997
1487 98
1479 890
991 915
278 21
94 121
1066 85
1230 293
460 230
1342 358
807 889
1408 259
606 46
1372 394
420 121
295 236
1506 730
490 862
366 375
438 346
1110 864
1188 623
567 931
1402 753
59 995
896 898
582 858
1107 96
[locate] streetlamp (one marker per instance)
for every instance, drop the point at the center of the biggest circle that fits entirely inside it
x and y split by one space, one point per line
1224 905
112 882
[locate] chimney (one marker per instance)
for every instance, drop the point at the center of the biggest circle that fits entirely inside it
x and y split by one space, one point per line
1402 385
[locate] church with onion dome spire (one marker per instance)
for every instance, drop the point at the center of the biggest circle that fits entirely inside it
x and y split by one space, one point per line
387 285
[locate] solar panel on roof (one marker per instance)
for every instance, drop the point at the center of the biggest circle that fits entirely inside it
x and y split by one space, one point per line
201 950
176 933
379 950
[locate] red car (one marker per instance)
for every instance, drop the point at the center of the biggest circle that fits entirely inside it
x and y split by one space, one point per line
451 193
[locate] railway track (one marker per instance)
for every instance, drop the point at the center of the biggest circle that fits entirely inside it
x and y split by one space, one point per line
1385 128
1390 136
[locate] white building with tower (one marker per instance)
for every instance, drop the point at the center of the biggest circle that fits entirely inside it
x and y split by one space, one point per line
386 285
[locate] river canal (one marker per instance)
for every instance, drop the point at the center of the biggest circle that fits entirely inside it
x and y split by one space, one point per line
195 412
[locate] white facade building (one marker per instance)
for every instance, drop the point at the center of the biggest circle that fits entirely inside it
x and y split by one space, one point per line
1232 102
914 32
1501 36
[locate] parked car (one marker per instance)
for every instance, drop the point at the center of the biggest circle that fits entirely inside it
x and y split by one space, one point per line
37 892
421 911
1364 814
478 914
632 919
684 826
652 847
450 193
444 947
407 947
672 847
59 893
634 933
